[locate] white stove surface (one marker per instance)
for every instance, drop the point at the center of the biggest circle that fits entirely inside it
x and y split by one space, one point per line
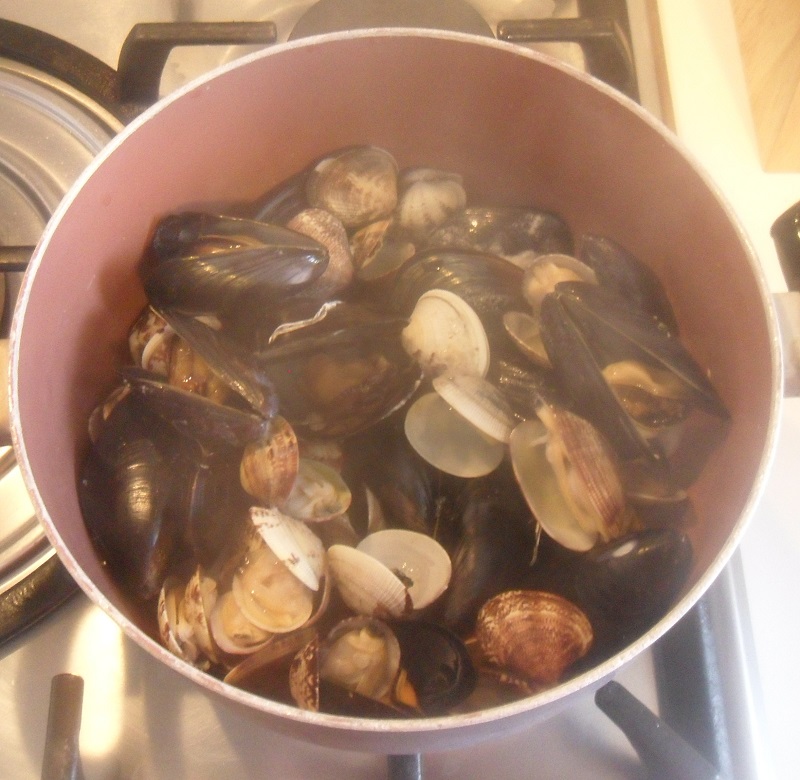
143 721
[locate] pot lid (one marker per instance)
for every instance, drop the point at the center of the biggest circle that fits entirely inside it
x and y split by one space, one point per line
49 132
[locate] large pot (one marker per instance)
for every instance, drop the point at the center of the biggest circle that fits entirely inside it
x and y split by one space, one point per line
523 130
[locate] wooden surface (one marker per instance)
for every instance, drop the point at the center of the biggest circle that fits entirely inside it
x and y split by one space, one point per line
769 39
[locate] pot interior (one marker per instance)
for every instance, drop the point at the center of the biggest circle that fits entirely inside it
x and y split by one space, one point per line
521 130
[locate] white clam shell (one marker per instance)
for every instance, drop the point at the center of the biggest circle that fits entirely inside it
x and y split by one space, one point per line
569 478
418 558
445 335
478 401
448 441
366 585
292 542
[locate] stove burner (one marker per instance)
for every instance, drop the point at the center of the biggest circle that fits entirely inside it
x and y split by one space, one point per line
338 15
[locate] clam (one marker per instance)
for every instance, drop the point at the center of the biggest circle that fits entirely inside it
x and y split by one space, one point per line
379 249
359 656
269 466
420 562
533 635
269 595
357 185
318 494
445 335
292 543
569 477
428 197
175 628
478 401
199 598
448 441
233 633
390 573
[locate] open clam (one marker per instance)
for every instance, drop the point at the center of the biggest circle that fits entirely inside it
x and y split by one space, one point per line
390 573
569 478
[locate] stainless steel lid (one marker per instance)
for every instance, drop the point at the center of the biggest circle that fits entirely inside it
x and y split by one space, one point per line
49 132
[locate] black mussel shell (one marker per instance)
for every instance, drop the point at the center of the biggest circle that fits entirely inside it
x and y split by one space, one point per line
495 547
343 374
438 665
212 425
228 359
488 283
621 271
284 201
408 489
206 264
616 331
132 492
523 383
578 373
506 232
634 580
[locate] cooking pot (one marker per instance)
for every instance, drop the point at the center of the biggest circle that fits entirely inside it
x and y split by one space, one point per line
523 130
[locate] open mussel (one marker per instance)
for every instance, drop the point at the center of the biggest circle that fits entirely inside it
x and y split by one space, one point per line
343 374
586 329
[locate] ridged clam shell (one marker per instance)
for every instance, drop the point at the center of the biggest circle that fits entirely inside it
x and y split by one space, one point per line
269 467
357 185
448 441
568 475
366 585
445 335
535 634
428 198
418 559
377 252
292 542
478 401
199 598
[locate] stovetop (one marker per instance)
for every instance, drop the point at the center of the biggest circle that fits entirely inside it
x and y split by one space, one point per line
140 720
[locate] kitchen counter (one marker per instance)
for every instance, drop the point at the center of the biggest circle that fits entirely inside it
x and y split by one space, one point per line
714 120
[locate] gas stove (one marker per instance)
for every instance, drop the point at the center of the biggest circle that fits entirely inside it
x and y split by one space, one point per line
142 721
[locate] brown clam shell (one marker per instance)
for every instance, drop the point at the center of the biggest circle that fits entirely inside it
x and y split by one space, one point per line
269 467
533 634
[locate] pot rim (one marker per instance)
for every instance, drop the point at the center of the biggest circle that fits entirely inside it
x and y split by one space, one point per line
418 728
